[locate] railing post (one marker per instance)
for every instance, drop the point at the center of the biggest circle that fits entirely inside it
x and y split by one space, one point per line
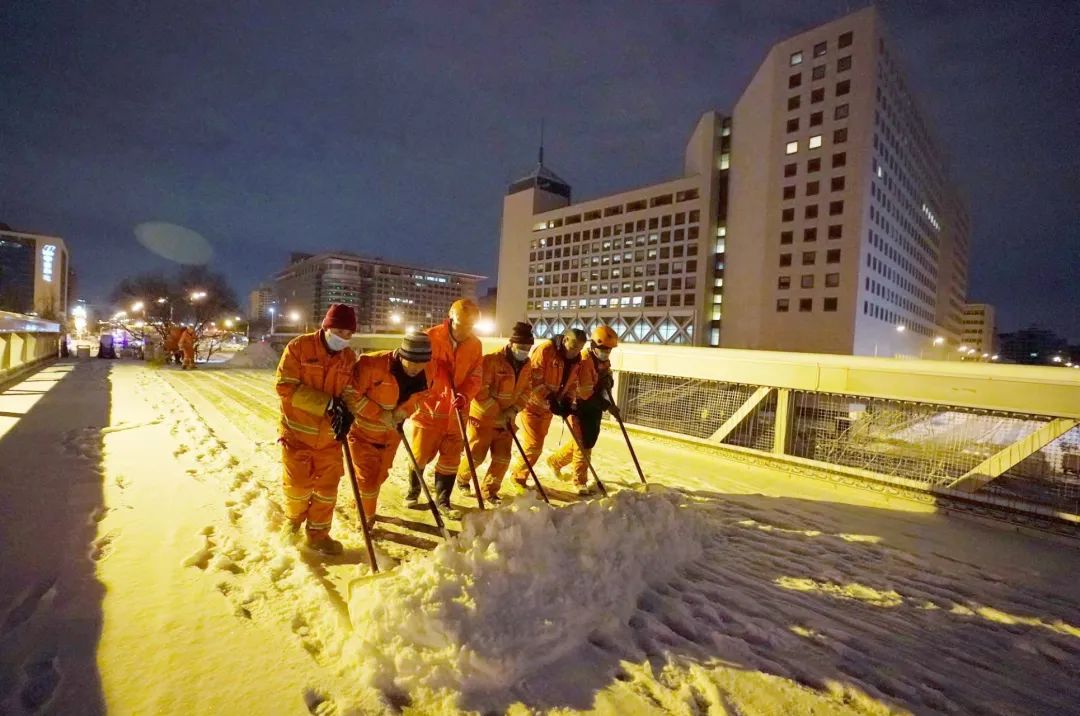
782 429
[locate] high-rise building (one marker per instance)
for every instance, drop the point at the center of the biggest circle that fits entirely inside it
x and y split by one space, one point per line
649 262
979 329
846 234
33 274
1034 346
819 217
259 302
387 296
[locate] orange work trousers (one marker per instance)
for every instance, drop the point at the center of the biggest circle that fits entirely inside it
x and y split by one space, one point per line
311 483
482 439
440 438
372 462
534 424
189 357
570 454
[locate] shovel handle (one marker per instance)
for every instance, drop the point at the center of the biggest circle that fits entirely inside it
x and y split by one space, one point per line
359 505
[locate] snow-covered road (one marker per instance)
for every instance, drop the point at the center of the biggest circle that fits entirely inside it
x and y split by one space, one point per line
144 568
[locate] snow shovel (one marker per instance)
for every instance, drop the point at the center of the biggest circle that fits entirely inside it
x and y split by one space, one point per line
588 460
626 436
359 506
423 483
536 480
468 452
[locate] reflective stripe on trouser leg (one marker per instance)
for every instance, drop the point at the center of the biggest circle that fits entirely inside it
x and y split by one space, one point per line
424 440
500 460
534 428
581 466
297 482
479 442
564 455
328 469
372 464
450 453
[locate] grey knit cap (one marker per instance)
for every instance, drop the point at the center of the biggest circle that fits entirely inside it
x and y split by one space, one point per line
415 347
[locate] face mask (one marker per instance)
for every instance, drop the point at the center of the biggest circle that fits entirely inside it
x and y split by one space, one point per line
520 355
335 342
602 353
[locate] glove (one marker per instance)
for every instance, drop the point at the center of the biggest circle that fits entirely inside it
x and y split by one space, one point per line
460 401
400 416
615 412
507 417
559 407
340 418
386 417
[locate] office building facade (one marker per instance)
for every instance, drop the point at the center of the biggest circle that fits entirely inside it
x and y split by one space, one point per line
979 328
387 296
33 274
259 302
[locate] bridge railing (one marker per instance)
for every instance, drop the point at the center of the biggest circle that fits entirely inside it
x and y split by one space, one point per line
25 341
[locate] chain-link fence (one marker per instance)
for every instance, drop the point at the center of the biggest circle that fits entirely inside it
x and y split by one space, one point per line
930 444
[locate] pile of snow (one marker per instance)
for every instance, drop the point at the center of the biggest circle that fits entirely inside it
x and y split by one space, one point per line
256 355
519 588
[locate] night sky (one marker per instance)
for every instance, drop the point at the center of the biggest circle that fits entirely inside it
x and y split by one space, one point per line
392 130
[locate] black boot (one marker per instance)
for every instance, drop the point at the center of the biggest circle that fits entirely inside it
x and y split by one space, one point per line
444 487
412 497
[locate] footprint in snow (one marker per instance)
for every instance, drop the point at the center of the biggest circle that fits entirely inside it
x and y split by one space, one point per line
42 679
102 547
39 596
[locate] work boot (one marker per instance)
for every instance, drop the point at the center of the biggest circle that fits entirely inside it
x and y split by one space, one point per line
326 545
586 490
493 500
556 468
412 497
444 487
465 487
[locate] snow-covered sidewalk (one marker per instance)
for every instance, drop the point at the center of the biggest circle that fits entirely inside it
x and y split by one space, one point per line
144 568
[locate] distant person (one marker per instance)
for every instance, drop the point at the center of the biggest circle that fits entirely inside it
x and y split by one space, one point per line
594 388
457 355
504 390
311 376
187 348
172 344
385 390
555 366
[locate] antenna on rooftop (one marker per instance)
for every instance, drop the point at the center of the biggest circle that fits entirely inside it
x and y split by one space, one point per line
541 141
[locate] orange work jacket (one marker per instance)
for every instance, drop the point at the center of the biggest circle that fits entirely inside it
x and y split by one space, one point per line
500 387
308 376
457 368
552 375
373 389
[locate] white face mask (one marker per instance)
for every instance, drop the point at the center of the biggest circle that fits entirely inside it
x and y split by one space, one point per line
520 355
336 343
602 353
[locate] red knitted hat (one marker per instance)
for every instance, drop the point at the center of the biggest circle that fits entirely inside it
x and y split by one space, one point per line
340 316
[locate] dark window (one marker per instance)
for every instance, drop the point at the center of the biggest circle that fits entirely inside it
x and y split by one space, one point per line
789 192
694 216
819 49
809 258
793 102
836 208
836 231
783 283
795 80
786 237
837 183
817 95
806 305
843 88
813 165
787 215
818 73
832 280
809 234
781 305
815 119
839 136
830 304
845 40
791 170
843 64
839 159
832 256
812 188
841 112
807 280
811 211
793 125
785 259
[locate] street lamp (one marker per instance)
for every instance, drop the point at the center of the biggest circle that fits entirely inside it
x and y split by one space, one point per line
940 340
1056 359
901 328
140 306
395 318
198 295
272 312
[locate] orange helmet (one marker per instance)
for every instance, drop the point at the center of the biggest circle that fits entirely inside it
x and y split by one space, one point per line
604 337
465 312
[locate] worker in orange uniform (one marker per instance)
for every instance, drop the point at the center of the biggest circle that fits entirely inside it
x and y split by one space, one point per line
312 374
507 377
457 356
386 388
187 347
593 390
555 365
172 344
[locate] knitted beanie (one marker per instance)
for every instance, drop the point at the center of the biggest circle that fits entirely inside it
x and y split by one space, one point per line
415 347
522 333
340 316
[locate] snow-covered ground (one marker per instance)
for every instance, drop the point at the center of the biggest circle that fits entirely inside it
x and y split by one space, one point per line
144 569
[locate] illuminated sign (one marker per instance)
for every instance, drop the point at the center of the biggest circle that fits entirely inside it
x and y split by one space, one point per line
48 251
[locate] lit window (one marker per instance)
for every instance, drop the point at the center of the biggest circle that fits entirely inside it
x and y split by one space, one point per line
725 161
796 59
819 49
791 148
815 141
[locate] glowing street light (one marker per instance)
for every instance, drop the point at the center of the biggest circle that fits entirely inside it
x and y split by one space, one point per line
1056 359
901 328
294 316
485 327
228 323
198 295
994 357
137 306
272 312
395 318
940 340
410 329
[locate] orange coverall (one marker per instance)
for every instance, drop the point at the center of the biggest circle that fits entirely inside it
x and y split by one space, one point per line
552 375
373 389
505 383
308 376
434 427
187 347
589 375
